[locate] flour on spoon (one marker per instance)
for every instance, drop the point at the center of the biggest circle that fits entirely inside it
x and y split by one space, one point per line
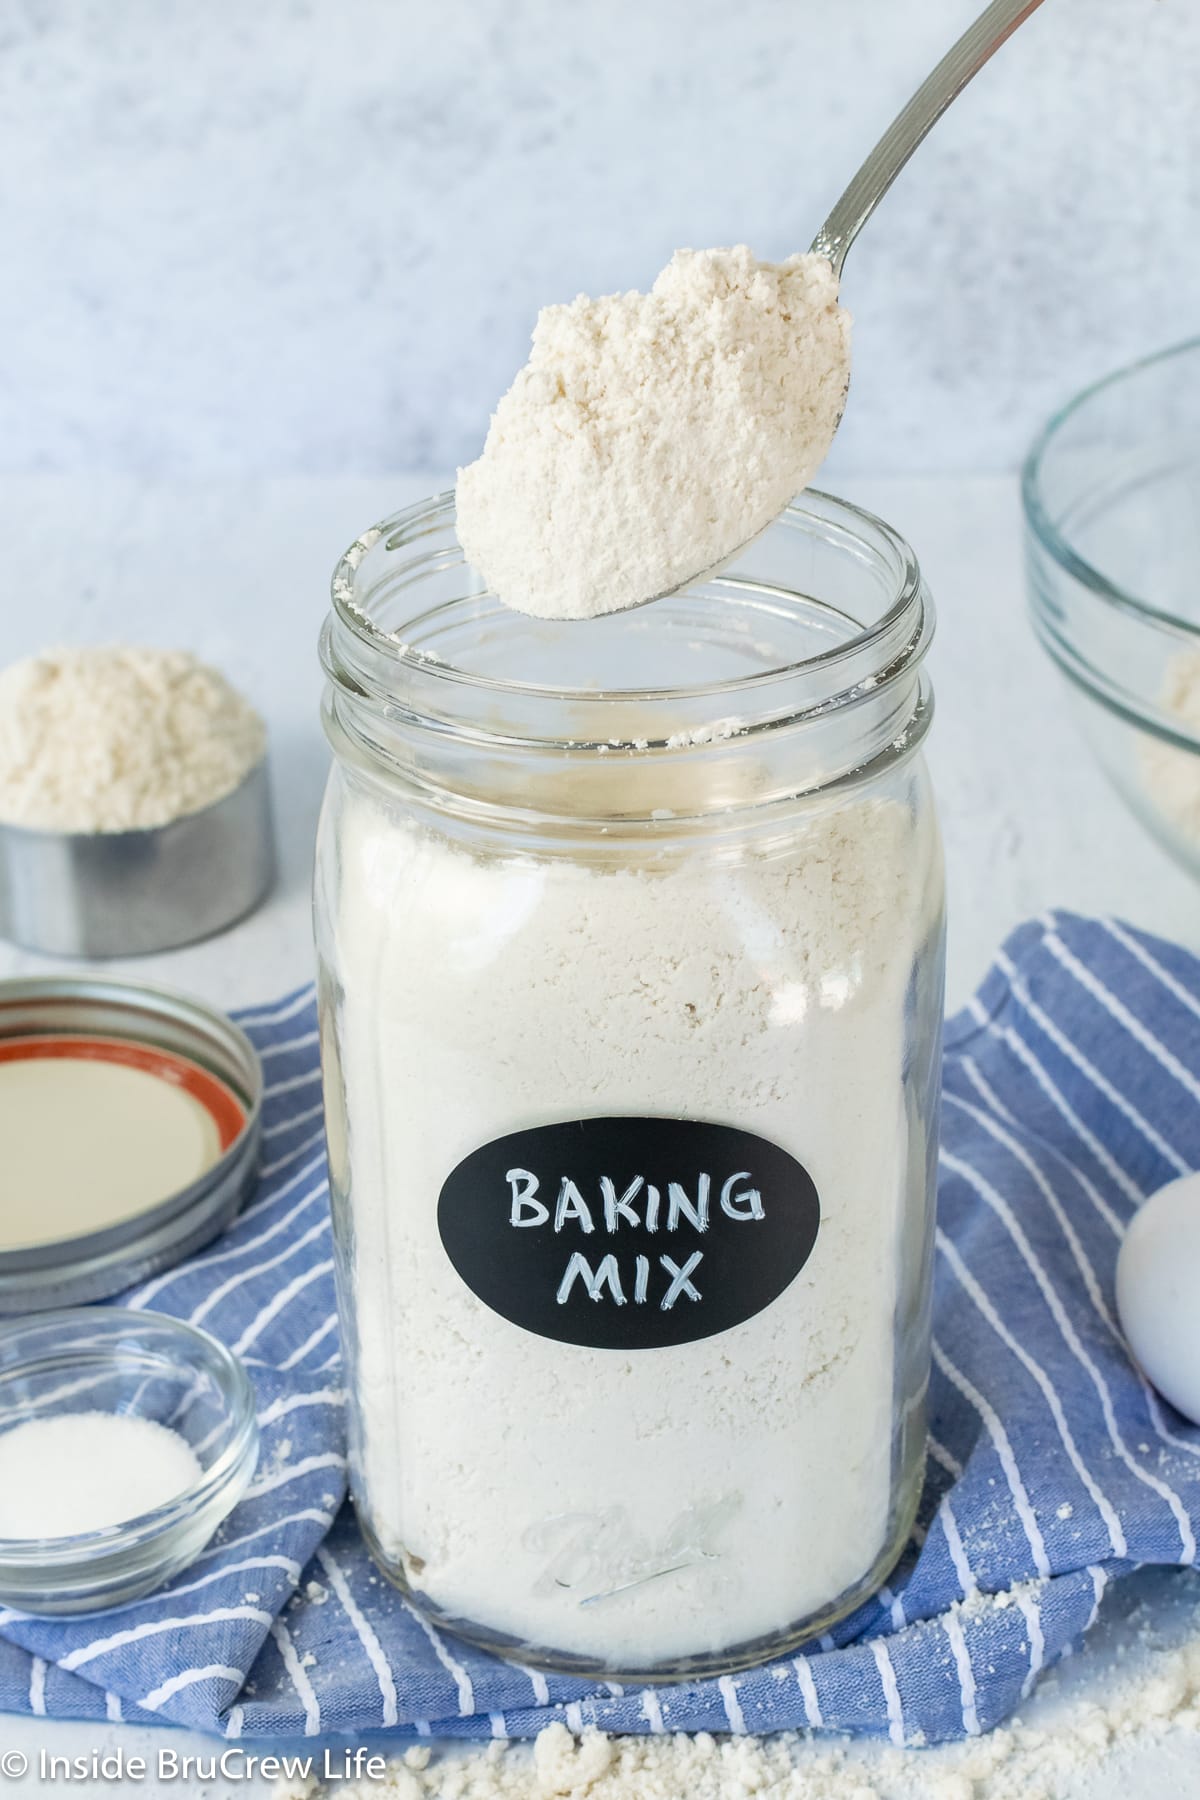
650 436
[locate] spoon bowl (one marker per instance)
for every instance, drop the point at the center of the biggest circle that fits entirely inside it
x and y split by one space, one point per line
858 200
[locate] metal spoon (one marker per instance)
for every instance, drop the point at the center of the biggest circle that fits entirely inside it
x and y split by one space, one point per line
866 189
994 26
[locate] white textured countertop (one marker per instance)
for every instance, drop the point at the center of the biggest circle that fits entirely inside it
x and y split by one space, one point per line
239 572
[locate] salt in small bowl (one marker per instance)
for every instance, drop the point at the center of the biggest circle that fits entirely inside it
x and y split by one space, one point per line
149 1366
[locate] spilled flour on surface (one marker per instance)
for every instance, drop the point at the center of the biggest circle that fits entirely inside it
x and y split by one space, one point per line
1144 1684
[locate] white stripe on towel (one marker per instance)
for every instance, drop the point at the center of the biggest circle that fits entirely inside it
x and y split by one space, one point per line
966 1675
727 1688
310 1343
1173 987
652 1711
954 1544
304 1042
453 1668
159 1696
233 1282
1128 1021
279 1126
266 1484
1004 1451
891 1690
1099 1081
808 1692
1046 1387
85 1653
1058 1100
1058 1312
366 1636
275 1015
1031 1613
298 1678
290 1403
279 1303
213 1259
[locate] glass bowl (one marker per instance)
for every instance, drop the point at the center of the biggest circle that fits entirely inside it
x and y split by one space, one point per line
1111 493
152 1367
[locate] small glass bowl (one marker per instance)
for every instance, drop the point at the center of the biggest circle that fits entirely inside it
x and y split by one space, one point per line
1111 492
149 1366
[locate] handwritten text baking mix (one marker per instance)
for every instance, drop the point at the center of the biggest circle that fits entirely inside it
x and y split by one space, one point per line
640 1204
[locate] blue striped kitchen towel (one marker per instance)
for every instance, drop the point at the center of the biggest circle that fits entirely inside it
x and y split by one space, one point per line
1072 1089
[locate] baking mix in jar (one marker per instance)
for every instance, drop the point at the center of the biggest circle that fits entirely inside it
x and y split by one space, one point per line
630 941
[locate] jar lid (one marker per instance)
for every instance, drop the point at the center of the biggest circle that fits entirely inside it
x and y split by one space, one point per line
131 1119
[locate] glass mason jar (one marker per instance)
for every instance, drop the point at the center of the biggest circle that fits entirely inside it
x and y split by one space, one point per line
631 954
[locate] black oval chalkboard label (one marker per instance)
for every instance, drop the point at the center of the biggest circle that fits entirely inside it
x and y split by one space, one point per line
629 1234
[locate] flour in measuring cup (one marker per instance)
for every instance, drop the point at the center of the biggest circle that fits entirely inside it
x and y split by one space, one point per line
650 436
119 738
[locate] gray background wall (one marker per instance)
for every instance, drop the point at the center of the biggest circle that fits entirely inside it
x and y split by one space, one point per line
310 235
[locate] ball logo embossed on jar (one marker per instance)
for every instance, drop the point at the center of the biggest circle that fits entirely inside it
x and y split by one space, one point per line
627 1233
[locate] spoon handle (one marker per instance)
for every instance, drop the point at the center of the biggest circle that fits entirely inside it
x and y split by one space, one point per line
965 59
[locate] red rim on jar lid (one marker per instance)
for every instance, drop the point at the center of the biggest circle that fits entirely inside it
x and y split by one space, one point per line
131 1120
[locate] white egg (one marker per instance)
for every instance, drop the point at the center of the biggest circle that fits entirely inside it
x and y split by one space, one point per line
1158 1292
